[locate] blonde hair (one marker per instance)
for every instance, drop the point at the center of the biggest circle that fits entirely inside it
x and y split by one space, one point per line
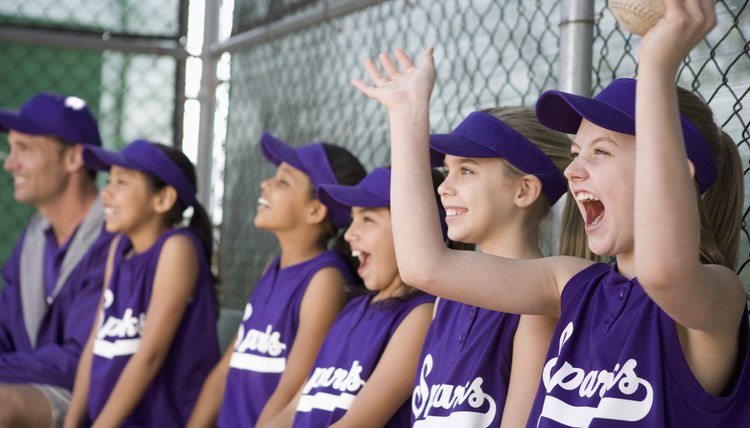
554 144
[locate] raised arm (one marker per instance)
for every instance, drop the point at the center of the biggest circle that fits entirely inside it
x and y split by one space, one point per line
532 286
706 301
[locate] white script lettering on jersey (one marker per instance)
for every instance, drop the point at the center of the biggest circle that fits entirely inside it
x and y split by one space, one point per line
126 331
623 377
427 397
266 342
347 382
337 378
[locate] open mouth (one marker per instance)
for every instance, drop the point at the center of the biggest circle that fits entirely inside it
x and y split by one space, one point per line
451 212
593 209
263 203
364 260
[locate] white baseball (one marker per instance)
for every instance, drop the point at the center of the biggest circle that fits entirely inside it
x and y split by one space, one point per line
637 16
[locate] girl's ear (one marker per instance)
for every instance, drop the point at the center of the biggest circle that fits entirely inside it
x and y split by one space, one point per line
528 190
165 199
316 212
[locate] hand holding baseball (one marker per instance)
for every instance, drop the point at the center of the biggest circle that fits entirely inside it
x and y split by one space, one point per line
637 16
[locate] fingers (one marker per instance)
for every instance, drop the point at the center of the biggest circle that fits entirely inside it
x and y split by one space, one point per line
373 72
390 69
403 60
363 87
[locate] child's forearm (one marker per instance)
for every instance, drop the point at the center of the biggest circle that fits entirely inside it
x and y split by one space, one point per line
129 389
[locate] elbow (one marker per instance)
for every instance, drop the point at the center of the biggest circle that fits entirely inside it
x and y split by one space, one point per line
418 274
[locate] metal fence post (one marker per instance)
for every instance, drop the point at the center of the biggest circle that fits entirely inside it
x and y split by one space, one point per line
207 99
576 45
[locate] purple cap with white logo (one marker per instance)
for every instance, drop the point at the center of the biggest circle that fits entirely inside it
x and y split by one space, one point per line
374 191
614 108
144 156
482 135
310 159
65 117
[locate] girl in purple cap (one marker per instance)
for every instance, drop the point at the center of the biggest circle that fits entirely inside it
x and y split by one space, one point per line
298 296
661 338
141 365
504 172
362 374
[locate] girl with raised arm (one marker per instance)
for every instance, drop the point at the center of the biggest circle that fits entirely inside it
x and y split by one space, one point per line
504 172
661 338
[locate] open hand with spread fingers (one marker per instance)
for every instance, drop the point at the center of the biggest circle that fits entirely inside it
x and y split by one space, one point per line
405 83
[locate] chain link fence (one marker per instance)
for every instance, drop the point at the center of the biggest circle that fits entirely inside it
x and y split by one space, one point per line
123 57
488 53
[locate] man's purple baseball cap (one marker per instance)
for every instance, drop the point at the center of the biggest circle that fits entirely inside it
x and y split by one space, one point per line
482 135
46 113
374 191
312 160
614 108
144 156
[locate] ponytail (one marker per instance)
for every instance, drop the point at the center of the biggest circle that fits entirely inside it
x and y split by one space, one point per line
200 222
721 209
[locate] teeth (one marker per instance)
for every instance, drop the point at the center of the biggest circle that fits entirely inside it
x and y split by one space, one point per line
356 253
262 201
586 197
450 212
19 180
109 211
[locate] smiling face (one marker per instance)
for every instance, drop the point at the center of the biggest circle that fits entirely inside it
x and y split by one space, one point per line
478 195
128 201
37 164
283 199
371 239
602 179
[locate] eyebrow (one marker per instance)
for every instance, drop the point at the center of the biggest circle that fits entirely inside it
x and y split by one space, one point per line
461 161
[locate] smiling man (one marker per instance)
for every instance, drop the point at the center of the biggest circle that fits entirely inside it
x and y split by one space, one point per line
53 279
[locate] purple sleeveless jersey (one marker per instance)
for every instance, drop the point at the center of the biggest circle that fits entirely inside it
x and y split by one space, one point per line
348 357
463 374
265 337
171 395
615 361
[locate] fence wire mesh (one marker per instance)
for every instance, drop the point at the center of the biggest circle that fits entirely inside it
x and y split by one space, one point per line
488 53
133 95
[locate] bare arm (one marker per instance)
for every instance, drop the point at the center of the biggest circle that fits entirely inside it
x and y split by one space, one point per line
423 260
391 382
285 418
530 346
706 302
174 282
206 410
76 415
323 300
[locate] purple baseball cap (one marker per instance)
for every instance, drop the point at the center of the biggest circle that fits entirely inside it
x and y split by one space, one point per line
46 113
482 135
374 191
144 156
312 160
614 108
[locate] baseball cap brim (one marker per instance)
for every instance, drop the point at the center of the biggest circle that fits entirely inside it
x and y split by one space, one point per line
12 120
277 151
456 145
100 159
563 111
346 197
